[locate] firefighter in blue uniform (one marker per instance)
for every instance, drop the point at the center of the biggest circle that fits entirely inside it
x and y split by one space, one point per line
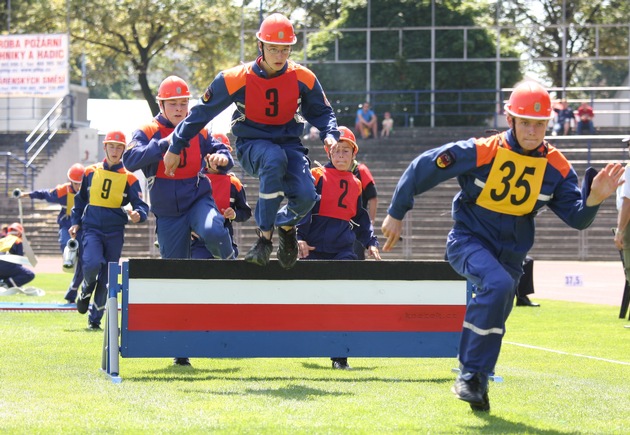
100 212
505 179
64 195
268 94
182 203
229 195
338 219
12 274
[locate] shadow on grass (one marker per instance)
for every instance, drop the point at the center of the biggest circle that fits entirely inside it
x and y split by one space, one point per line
500 425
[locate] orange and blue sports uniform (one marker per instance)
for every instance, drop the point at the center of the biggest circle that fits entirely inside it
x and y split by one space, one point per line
338 218
268 130
64 195
227 191
361 171
502 189
98 209
11 274
182 203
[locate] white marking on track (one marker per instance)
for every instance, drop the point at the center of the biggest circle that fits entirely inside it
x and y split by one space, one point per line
567 353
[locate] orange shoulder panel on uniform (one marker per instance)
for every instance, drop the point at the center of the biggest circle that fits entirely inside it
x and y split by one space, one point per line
62 190
235 78
204 133
236 182
486 149
304 75
558 160
90 169
131 178
317 173
150 129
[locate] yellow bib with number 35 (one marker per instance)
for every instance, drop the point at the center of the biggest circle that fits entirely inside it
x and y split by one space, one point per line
107 188
513 184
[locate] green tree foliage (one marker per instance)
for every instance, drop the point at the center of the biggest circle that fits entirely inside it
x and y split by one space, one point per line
401 72
546 26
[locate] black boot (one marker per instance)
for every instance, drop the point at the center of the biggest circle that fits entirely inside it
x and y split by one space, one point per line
261 251
288 247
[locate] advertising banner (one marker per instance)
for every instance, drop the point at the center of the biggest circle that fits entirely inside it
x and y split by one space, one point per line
34 65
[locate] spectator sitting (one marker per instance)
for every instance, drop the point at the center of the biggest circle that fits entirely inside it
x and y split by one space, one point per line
388 124
585 118
564 118
366 122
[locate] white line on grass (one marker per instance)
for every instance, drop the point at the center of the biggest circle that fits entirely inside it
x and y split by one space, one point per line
567 353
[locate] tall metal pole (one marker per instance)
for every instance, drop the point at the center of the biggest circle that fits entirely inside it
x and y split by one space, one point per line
368 44
432 107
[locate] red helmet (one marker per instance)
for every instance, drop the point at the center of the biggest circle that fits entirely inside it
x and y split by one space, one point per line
75 173
115 136
529 100
346 135
173 87
16 229
276 29
223 139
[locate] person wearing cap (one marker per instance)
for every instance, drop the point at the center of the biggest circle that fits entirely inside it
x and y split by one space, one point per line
273 97
182 203
13 274
101 211
622 235
338 219
64 195
505 180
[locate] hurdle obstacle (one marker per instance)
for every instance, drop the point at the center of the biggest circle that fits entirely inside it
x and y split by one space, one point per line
233 309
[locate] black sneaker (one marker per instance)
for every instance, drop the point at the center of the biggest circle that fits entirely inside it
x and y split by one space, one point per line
83 302
473 390
183 362
340 364
287 247
484 407
261 251
93 326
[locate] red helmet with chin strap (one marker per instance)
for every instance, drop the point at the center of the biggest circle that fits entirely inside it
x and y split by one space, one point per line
15 229
115 136
172 88
223 139
531 101
276 29
75 173
346 135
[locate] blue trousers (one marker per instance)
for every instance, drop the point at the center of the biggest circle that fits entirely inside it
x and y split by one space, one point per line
495 284
203 218
99 249
284 171
15 275
77 278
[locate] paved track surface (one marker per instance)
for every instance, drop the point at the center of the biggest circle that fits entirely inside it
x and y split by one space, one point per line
592 282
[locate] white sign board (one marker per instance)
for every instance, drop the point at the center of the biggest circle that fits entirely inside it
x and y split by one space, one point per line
34 65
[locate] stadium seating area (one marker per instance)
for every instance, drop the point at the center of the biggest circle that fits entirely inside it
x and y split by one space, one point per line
428 223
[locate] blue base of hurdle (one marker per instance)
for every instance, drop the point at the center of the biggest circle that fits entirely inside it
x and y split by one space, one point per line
233 309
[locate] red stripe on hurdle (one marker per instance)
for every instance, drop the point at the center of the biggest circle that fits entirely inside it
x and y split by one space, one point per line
292 317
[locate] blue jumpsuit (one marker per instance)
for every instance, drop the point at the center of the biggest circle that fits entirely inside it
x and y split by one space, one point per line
501 191
183 203
98 210
64 195
268 130
227 191
14 275
338 218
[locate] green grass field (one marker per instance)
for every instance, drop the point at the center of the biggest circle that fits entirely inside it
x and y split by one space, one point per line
566 368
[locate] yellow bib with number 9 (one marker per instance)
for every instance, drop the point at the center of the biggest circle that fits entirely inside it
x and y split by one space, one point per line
107 188
513 184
